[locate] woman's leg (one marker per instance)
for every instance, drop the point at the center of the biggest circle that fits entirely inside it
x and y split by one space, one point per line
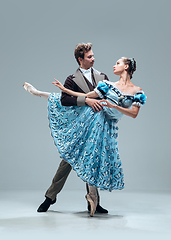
92 198
29 88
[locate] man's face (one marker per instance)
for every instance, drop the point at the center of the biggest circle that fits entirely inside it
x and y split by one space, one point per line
88 60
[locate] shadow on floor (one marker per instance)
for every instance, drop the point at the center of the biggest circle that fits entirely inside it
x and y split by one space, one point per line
86 214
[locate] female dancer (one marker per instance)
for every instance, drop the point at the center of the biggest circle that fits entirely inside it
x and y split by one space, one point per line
88 139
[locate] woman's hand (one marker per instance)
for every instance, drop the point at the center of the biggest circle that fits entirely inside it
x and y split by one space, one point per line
106 103
59 85
129 112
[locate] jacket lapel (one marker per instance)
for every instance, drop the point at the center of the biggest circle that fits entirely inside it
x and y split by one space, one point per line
80 81
97 76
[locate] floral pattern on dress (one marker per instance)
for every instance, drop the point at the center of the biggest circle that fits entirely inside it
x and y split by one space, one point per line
87 140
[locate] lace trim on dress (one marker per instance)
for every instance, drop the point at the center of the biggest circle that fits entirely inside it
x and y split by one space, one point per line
98 92
138 104
126 94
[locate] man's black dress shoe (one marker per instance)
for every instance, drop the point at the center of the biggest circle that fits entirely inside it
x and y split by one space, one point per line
45 205
99 209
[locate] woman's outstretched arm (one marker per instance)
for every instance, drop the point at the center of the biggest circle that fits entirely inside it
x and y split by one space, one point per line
72 93
129 112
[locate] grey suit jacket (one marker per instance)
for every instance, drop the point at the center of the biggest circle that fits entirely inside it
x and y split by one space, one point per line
80 81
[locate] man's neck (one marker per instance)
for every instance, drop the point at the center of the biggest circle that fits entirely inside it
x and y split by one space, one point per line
85 68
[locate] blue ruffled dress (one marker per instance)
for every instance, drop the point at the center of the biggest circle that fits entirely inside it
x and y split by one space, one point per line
87 140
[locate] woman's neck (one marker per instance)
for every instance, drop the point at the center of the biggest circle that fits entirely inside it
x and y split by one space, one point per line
124 79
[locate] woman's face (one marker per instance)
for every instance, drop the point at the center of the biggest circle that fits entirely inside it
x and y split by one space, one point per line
119 67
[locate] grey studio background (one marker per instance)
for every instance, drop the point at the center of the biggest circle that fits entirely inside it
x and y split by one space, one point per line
37 42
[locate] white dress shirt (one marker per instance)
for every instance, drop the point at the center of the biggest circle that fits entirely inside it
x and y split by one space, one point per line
87 74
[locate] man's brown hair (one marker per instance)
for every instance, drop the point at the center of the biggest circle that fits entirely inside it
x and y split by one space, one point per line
81 49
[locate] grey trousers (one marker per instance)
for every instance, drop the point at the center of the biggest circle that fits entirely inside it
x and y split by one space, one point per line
59 180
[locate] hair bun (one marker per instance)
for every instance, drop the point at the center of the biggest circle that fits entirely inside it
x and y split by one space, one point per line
132 66
132 62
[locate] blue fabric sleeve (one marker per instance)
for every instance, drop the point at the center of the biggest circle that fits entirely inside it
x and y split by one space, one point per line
139 99
102 88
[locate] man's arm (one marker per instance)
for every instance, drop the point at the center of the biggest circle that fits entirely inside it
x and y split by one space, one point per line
66 99
95 104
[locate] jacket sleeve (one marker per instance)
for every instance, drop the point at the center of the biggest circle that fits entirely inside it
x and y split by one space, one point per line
67 100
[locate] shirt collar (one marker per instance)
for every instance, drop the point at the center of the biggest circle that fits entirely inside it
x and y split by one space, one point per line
85 71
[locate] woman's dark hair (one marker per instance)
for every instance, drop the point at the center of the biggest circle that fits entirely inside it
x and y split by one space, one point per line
80 49
131 65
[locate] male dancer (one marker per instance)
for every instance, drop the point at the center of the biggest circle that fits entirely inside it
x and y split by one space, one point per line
84 80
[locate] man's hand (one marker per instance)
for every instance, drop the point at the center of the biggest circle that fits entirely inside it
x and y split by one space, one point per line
95 104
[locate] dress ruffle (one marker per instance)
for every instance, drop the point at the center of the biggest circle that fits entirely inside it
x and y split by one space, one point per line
87 140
